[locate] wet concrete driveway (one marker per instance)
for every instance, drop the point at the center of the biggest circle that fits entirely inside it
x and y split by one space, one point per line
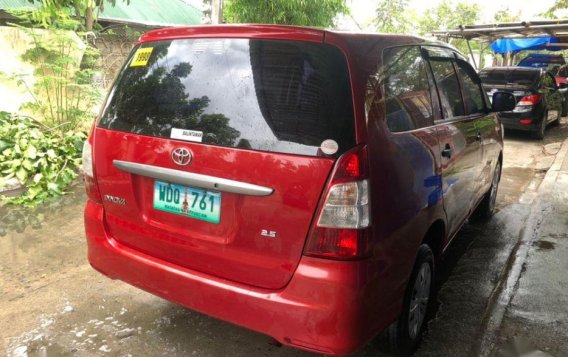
53 304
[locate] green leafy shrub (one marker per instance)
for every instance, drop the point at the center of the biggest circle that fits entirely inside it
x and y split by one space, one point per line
42 160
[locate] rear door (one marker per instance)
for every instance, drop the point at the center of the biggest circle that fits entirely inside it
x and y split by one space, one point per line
486 123
459 140
212 154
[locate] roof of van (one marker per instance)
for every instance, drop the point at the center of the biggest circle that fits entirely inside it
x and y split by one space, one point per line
365 48
512 68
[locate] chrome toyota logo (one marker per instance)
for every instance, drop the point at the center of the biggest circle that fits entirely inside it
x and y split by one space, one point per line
181 156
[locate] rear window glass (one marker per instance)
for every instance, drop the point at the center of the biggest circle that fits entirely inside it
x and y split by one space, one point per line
526 77
269 95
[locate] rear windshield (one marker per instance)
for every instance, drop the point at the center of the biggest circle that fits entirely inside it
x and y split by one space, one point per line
269 95
522 77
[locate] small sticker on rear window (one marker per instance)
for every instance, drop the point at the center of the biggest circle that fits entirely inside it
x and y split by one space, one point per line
329 147
187 135
141 57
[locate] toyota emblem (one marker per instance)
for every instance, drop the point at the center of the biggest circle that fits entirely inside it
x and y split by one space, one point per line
181 156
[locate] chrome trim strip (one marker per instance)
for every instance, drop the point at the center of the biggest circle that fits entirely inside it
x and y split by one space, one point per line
193 179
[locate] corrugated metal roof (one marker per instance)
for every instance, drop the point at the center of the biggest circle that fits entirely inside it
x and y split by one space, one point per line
152 13
16 4
145 12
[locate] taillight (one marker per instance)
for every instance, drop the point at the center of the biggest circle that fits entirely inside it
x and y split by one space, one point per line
527 102
532 99
90 182
341 230
525 121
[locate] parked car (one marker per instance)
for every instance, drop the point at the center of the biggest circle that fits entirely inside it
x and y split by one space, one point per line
539 100
298 182
548 62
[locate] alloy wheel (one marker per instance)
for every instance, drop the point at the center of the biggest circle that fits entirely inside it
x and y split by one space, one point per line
419 300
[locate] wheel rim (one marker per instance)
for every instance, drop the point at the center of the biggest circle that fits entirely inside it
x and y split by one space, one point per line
494 186
419 300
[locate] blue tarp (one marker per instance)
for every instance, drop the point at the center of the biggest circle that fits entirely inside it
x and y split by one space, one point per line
504 45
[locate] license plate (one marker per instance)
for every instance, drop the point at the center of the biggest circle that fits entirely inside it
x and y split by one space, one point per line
187 201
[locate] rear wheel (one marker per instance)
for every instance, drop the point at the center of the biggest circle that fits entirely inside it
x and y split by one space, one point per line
403 336
486 208
564 107
539 133
560 115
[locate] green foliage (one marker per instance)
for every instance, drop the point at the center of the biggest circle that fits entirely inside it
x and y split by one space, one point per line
505 15
392 17
45 163
448 15
83 11
285 12
558 5
63 93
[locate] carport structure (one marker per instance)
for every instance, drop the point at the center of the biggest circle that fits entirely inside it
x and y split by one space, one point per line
488 33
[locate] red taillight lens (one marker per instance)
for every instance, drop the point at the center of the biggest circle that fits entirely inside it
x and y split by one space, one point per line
532 99
90 182
525 121
341 229
338 243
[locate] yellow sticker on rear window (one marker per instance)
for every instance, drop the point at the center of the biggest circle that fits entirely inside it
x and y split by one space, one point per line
141 57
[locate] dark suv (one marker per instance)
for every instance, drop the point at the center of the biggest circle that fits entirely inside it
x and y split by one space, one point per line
539 100
294 181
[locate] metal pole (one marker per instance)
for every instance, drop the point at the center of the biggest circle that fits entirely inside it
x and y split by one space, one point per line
217 12
471 54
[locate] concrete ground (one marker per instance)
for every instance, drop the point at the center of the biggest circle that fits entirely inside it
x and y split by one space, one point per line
501 286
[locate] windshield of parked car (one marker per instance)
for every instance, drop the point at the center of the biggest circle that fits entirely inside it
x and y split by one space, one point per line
270 95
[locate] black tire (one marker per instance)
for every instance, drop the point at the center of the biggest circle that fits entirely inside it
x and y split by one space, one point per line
539 133
486 207
404 335
564 107
556 122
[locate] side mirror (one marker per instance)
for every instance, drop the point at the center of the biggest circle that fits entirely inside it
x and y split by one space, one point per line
503 102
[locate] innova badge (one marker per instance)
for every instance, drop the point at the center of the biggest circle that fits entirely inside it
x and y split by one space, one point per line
181 156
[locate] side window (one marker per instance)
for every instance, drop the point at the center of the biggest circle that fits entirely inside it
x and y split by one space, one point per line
473 96
407 91
448 86
563 71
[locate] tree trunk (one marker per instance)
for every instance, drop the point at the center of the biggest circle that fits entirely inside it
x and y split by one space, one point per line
89 19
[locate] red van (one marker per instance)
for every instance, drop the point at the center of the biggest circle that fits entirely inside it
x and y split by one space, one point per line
295 181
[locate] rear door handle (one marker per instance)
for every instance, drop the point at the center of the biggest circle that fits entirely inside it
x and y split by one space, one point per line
447 152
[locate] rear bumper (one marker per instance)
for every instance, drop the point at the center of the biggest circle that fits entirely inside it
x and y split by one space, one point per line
512 121
325 308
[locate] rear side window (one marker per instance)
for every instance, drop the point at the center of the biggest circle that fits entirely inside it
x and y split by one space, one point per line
448 87
407 91
473 96
269 95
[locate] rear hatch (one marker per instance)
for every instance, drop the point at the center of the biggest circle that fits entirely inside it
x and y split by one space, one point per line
212 154
518 81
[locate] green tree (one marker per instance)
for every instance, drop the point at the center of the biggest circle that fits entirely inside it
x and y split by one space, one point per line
450 15
505 15
285 12
84 10
558 5
392 16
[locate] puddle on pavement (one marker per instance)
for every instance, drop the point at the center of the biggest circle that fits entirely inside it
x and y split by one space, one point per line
17 219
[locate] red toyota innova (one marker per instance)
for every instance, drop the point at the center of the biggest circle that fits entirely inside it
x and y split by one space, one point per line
294 181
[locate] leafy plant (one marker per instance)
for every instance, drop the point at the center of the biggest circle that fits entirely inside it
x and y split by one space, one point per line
63 93
41 160
285 12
